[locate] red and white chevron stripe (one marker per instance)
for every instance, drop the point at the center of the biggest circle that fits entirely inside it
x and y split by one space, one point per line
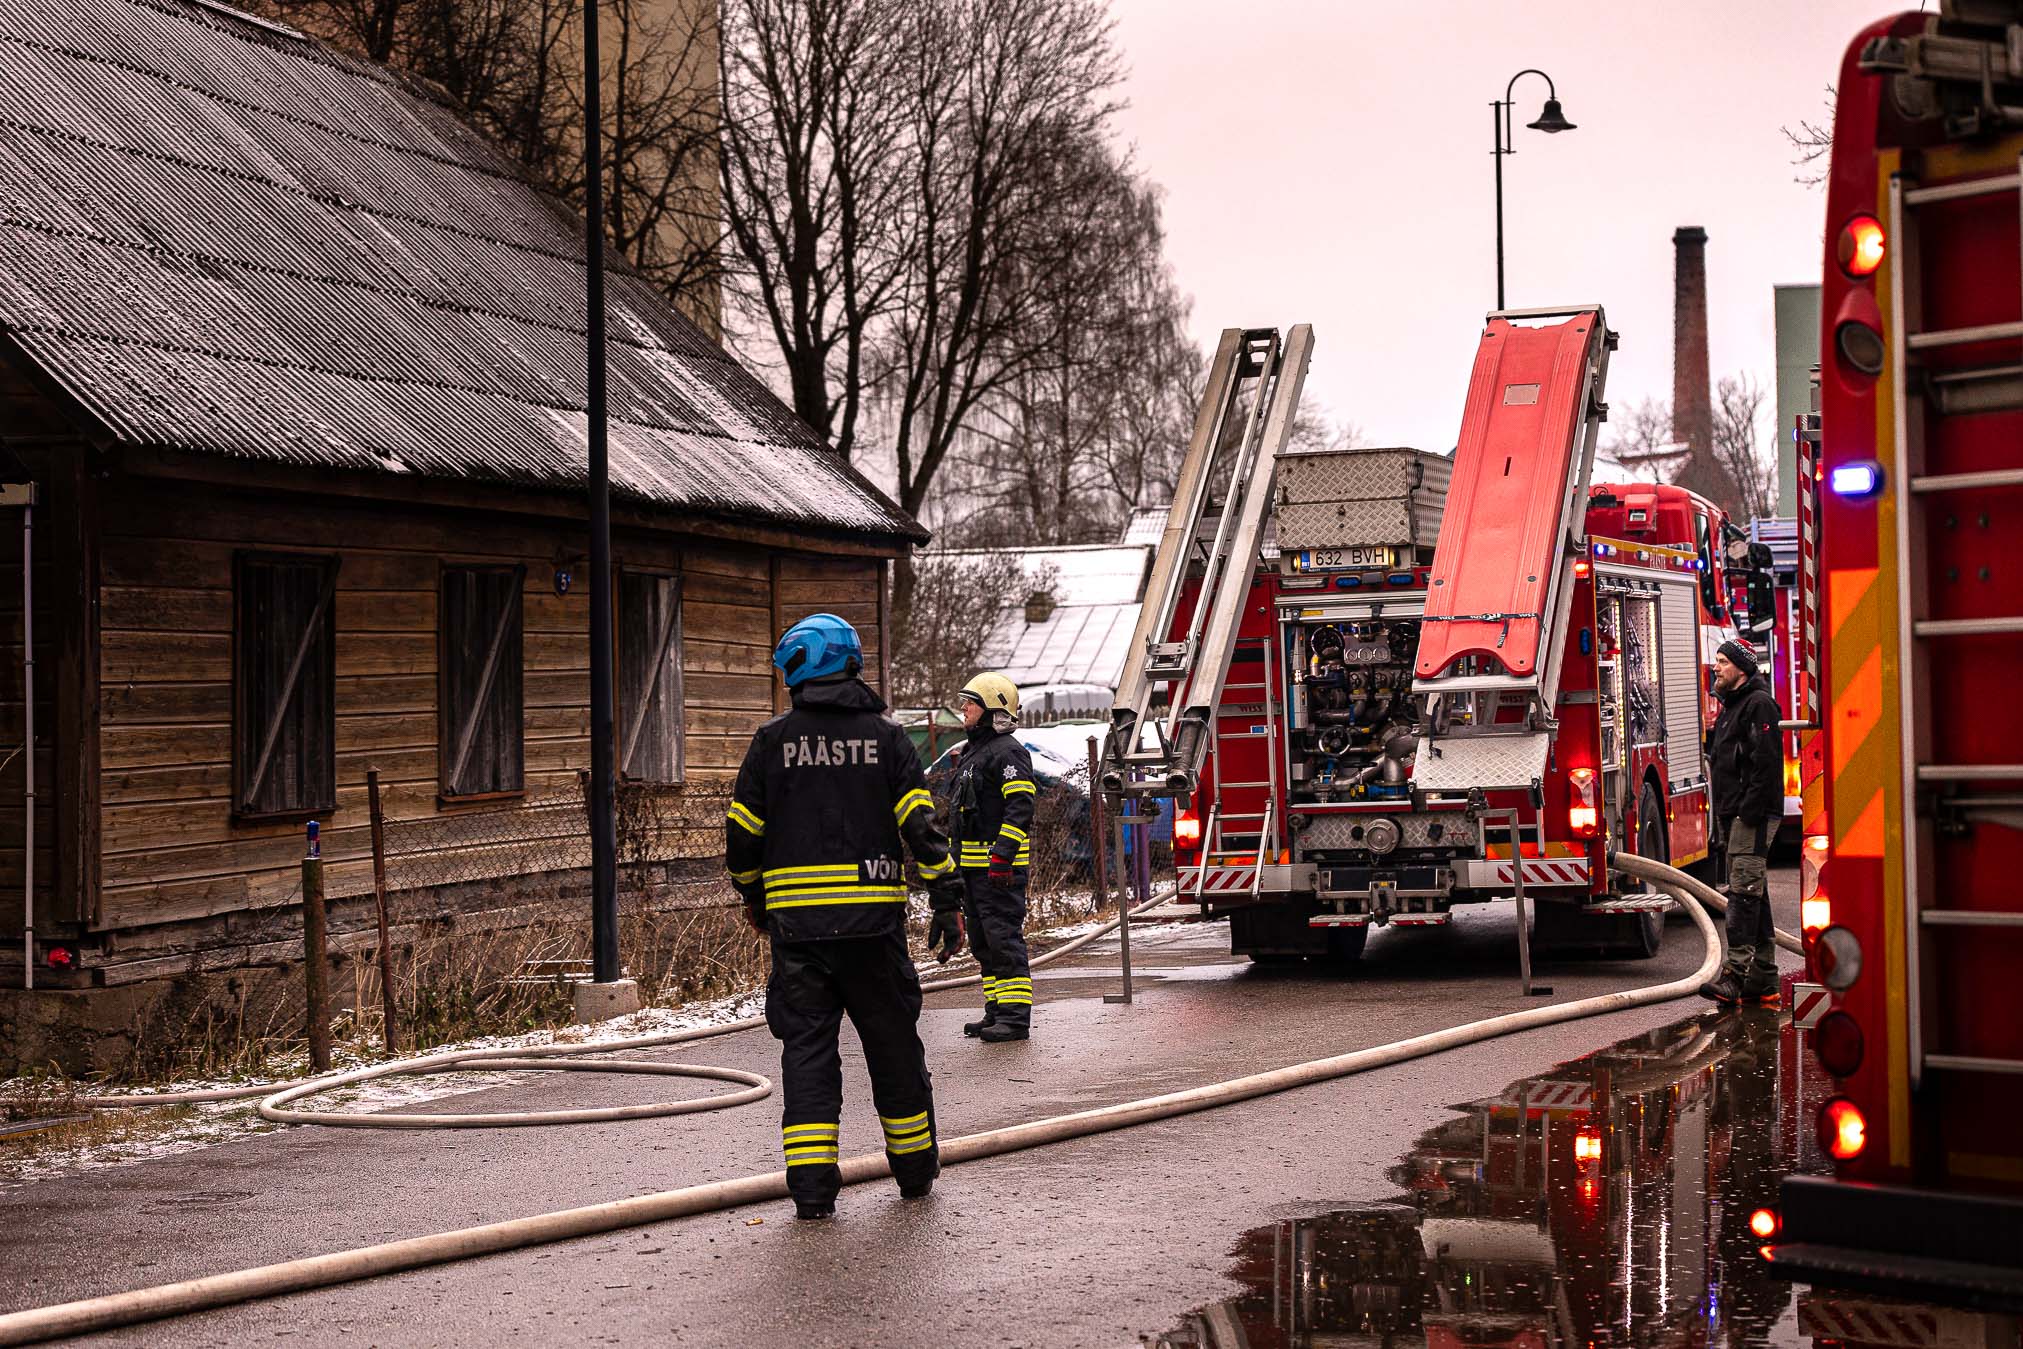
1858 1320
1544 872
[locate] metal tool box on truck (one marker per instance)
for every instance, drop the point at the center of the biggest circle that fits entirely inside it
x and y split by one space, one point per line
1382 498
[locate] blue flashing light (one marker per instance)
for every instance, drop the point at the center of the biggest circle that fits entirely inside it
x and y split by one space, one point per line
1348 582
1587 641
1400 578
1863 478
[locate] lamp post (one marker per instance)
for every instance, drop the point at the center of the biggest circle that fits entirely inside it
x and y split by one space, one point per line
1550 120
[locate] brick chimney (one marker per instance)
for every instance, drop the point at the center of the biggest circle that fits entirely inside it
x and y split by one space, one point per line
1692 387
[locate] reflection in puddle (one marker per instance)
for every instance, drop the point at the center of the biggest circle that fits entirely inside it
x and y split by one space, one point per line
1604 1203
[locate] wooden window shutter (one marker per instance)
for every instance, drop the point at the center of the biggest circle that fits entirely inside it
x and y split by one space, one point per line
284 714
482 744
650 745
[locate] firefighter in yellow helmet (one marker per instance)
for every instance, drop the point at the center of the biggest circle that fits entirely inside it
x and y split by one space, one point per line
994 797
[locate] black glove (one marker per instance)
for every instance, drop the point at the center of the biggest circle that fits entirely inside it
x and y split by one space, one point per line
755 915
1000 872
945 928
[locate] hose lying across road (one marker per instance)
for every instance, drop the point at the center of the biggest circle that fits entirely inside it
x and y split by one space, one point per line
524 1057
322 1271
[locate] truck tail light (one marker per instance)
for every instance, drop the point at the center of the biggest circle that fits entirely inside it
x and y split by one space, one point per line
1861 246
1815 910
1583 815
1587 1146
1837 1040
1792 785
1843 1132
1187 830
1764 1224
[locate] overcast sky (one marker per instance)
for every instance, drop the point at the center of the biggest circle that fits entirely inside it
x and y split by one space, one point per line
1329 163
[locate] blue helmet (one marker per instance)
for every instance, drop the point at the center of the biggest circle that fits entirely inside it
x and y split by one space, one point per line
818 646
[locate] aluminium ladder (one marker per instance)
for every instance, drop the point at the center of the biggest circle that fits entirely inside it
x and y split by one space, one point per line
1927 392
1172 685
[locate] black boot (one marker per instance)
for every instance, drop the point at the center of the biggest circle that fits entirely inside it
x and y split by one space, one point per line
1763 990
998 1032
1724 989
804 1208
977 1028
919 1187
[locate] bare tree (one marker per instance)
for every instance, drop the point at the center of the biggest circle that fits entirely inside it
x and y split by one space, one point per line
1642 439
515 67
1739 441
1811 145
959 601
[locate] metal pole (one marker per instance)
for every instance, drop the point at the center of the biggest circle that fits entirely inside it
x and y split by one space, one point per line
314 954
603 822
1123 913
1100 885
28 737
1496 116
390 1036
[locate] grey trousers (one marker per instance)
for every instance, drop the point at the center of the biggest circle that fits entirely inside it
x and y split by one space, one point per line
1752 942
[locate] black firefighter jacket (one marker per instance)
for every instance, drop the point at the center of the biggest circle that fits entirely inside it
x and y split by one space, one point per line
1745 755
994 795
826 793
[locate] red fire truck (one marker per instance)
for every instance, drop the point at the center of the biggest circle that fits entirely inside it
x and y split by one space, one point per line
1382 682
1915 854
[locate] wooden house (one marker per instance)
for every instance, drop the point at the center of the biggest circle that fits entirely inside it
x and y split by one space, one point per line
295 362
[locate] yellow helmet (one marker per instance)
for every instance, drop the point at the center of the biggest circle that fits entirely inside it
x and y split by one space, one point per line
994 693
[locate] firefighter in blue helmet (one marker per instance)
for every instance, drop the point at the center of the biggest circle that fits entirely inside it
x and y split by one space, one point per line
827 794
994 797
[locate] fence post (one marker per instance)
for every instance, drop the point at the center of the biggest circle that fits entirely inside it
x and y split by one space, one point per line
1099 883
390 1035
315 963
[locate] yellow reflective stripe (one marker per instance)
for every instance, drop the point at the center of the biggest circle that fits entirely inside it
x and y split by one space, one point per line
822 1157
826 869
907 1135
891 1123
911 802
922 1146
941 868
1009 830
1015 999
1017 785
741 816
744 877
868 895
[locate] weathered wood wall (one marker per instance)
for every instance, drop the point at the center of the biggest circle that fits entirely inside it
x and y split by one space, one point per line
172 853
23 411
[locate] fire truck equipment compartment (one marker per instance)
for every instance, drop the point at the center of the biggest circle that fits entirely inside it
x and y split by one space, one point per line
1390 498
1458 763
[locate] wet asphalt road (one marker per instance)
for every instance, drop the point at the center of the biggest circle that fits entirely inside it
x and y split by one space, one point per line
1094 1242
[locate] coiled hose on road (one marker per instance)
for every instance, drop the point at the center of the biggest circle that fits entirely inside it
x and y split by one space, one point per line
323 1271
277 1100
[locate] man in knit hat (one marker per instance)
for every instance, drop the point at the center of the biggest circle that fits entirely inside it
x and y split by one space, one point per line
1745 763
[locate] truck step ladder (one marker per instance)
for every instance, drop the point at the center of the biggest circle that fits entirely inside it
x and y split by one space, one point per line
1932 384
1501 588
1234 449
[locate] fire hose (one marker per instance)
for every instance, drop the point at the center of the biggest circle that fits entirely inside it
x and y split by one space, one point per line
323 1271
572 1057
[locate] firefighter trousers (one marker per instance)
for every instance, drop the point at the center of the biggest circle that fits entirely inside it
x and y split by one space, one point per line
996 914
1752 936
813 984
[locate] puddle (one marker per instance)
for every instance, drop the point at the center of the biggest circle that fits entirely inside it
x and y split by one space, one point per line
1603 1203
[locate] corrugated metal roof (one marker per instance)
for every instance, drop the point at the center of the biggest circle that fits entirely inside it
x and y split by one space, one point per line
221 238
1097 590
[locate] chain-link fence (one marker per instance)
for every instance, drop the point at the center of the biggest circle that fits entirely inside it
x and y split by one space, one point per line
488 918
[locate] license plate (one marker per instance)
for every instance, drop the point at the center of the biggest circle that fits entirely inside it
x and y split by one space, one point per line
1339 559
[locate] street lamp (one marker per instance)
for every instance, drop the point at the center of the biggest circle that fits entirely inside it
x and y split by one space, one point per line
1550 120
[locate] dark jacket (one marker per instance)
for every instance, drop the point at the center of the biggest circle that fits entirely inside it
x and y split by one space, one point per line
826 794
994 795
1745 755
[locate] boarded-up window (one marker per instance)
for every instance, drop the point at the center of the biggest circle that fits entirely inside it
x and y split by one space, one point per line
482 664
649 687
284 714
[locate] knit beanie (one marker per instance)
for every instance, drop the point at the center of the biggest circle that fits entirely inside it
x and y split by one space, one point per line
1742 654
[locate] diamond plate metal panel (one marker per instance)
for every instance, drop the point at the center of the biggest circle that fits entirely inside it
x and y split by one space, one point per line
1332 833
1329 499
1459 762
